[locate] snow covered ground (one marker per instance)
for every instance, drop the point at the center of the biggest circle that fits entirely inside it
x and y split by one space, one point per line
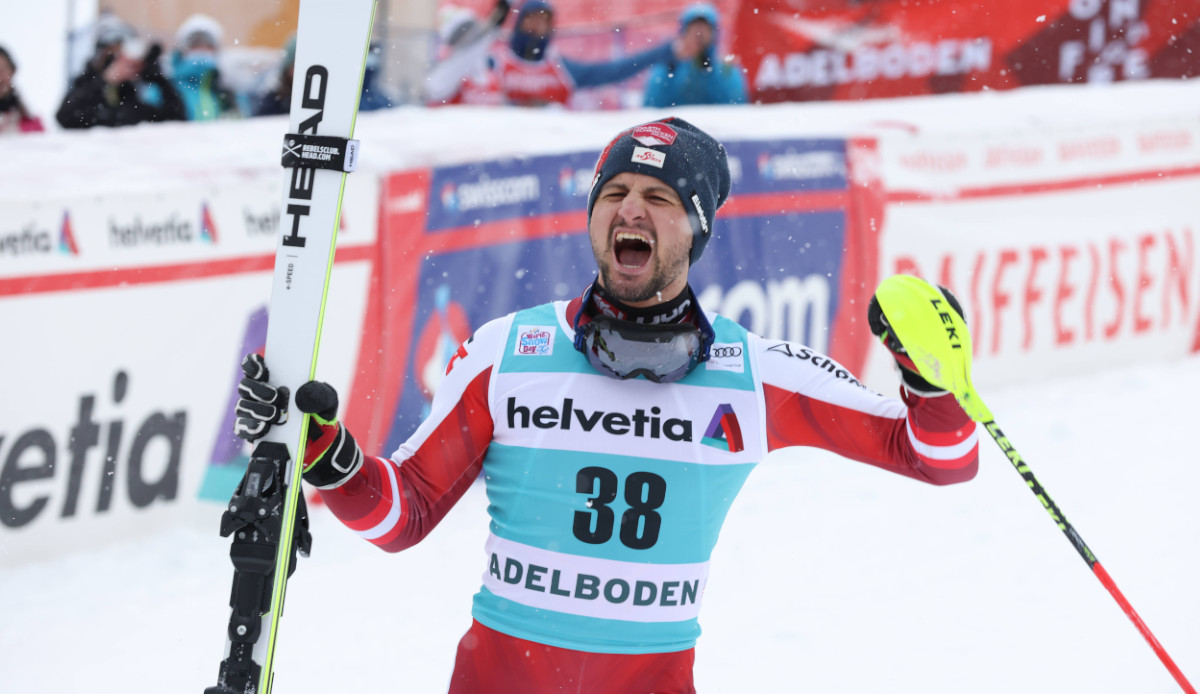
830 576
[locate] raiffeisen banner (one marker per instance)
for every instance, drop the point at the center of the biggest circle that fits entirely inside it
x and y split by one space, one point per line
1069 248
462 245
797 50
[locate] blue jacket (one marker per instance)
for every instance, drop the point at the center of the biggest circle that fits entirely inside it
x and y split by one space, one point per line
705 80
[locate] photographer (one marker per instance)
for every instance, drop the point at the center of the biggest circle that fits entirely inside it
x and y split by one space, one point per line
127 90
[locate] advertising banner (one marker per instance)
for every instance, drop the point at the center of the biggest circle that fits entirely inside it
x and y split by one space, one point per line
126 320
798 50
466 244
1069 249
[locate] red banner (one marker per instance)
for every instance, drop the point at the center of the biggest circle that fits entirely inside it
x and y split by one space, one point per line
800 50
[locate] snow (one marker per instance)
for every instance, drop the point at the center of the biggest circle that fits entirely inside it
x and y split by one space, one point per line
830 576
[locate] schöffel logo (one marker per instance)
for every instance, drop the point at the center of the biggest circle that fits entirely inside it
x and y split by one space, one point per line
817 359
724 431
535 340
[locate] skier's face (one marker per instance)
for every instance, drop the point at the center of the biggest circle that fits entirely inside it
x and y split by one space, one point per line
641 238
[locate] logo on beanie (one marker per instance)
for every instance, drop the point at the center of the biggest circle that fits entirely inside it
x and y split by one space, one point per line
650 157
700 214
654 134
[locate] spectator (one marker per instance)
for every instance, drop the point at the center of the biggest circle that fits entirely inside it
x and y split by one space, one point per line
464 51
373 97
130 88
703 79
110 33
530 72
278 99
194 70
14 117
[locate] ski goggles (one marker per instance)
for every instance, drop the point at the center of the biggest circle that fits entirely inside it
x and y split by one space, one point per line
662 353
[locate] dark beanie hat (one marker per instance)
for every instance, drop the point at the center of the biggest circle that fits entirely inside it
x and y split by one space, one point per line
678 154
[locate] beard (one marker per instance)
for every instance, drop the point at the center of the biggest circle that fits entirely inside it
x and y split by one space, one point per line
667 268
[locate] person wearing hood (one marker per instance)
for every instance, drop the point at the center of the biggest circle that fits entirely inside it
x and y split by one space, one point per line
529 71
702 79
194 70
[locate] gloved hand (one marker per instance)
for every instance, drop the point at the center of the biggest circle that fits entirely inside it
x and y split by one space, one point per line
260 404
908 370
331 455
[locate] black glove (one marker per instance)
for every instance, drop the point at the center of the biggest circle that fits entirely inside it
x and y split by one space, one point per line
332 456
908 370
260 404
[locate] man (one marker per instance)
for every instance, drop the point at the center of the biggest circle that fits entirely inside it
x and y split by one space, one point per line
613 432
529 71
704 79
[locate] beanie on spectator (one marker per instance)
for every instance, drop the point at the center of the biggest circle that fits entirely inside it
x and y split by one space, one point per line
111 30
699 10
198 24
678 154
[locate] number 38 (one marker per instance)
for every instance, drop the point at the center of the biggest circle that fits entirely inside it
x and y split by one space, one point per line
644 492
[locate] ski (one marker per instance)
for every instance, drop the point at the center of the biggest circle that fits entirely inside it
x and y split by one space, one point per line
266 517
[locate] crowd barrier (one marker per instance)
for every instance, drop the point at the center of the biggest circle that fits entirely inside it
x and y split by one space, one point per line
130 291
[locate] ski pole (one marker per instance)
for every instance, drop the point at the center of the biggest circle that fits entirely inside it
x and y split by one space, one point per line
1084 551
938 342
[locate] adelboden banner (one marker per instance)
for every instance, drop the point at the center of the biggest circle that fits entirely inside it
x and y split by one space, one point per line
795 50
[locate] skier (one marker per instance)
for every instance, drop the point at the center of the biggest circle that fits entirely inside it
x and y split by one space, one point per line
613 432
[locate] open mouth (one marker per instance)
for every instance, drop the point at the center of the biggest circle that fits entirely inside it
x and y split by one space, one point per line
632 249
